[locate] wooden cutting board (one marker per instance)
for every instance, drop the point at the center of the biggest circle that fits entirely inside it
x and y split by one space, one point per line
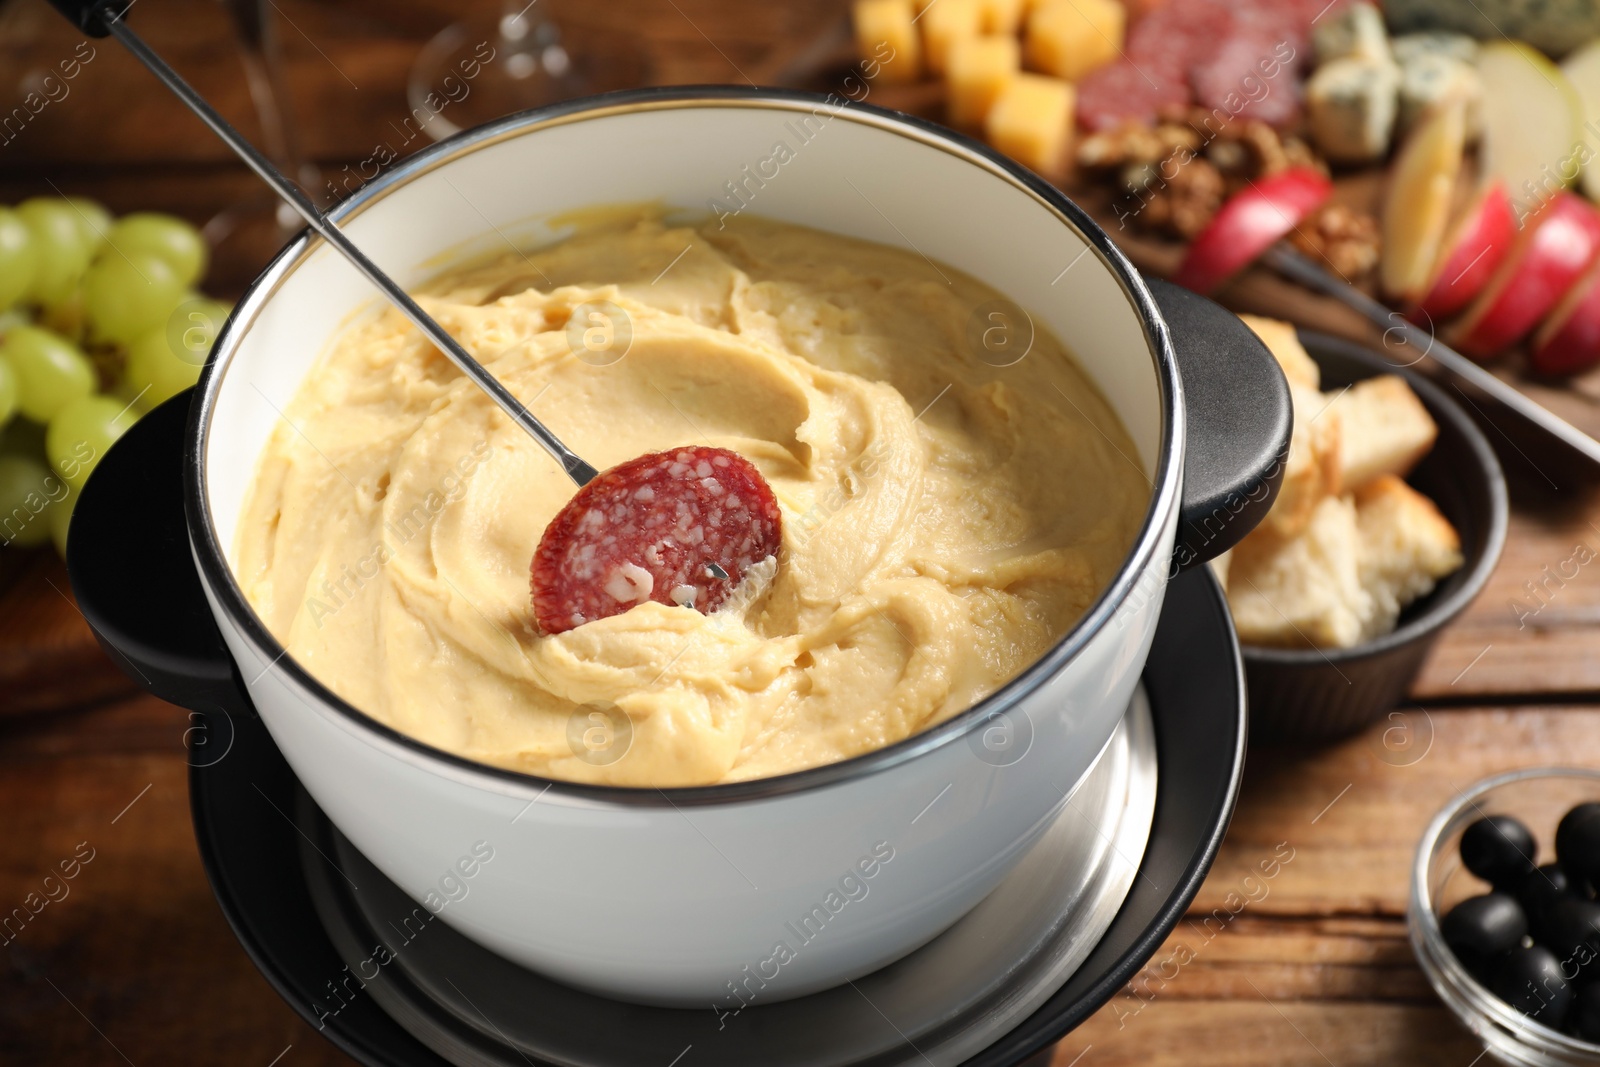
1258 290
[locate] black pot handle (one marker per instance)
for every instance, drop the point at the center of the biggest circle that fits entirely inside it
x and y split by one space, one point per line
129 559
1239 421
132 572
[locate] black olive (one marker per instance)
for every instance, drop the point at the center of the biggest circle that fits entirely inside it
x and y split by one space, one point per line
1583 1019
1484 926
1498 849
1578 844
1529 979
1538 892
1572 932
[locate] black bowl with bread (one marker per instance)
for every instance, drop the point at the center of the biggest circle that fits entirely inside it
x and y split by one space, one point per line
1391 518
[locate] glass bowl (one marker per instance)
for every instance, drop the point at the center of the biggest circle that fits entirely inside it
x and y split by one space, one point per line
1538 797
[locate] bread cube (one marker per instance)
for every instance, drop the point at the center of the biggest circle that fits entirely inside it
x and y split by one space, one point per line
1031 121
1284 344
886 34
977 71
1070 38
1312 471
1304 591
1002 16
1406 547
944 22
1384 430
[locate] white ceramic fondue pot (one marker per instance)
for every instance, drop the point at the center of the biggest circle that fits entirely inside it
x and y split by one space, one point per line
768 889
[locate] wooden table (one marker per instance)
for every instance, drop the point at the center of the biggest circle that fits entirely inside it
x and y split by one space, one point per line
134 964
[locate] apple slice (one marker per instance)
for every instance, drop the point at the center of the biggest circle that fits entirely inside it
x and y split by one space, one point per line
1248 224
1532 123
1582 69
1417 207
1556 247
1476 245
1569 340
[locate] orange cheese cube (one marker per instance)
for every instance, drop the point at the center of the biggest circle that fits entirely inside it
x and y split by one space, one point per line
1001 16
944 22
976 72
1070 38
1031 121
886 40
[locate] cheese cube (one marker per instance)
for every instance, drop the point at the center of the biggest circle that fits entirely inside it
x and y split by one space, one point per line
1070 38
1351 104
944 22
1353 30
977 70
1001 16
1031 121
1456 45
886 35
1430 79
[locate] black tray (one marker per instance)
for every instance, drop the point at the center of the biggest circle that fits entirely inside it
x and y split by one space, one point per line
244 796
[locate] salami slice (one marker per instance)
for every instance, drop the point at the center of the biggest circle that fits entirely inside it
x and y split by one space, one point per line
1235 78
677 527
1170 39
1123 92
1162 47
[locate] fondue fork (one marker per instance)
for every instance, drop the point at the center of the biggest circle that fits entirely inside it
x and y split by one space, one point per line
103 17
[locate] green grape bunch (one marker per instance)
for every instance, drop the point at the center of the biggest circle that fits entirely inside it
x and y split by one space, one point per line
100 322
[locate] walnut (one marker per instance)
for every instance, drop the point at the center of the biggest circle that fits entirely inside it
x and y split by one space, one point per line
1266 152
1181 198
1175 175
1137 178
1230 157
1131 143
1300 154
1346 239
1176 135
1100 151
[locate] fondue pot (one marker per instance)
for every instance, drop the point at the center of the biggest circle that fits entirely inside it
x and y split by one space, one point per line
681 896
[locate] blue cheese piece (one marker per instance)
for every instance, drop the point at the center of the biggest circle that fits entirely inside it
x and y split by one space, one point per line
1410 46
1351 106
1353 30
1553 26
1432 78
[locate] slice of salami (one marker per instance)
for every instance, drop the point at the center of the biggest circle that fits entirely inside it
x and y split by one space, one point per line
1234 78
1162 47
677 527
1122 92
1275 23
1170 39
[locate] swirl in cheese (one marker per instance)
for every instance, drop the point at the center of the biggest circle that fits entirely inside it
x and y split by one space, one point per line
945 520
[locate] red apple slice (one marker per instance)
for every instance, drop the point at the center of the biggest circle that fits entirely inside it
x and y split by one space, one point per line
1475 247
1557 246
1569 340
1248 224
